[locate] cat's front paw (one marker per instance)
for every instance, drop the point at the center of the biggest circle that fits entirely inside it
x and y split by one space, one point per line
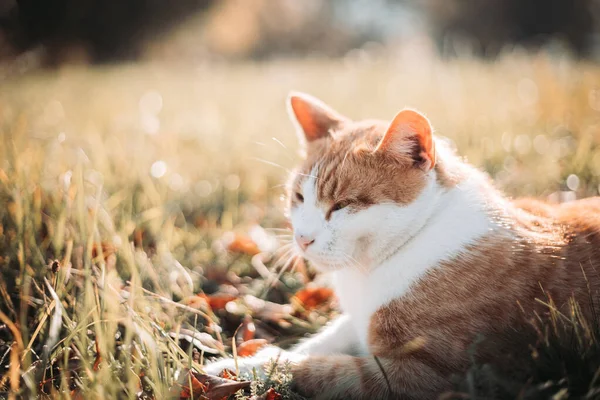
216 367
256 364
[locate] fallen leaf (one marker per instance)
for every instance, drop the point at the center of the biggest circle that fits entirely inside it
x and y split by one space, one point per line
104 249
250 347
98 357
312 298
193 388
76 394
215 302
248 329
270 394
138 237
242 244
218 302
228 374
208 386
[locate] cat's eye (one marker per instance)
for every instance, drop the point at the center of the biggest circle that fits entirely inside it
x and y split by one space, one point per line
336 207
299 197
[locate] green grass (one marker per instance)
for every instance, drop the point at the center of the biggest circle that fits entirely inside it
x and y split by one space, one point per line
135 178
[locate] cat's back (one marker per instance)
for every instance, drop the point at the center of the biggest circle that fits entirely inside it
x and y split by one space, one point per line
565 243
587 209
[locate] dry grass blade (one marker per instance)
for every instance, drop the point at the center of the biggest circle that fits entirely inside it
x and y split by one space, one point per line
55 322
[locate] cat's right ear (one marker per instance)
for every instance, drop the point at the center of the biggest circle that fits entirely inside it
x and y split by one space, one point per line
313 119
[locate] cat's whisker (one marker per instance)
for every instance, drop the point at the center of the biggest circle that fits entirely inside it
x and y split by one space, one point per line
284 237
278 229
271 163
284 257
290 256
279 142
283 234
283 262
309 175
279 186
296 259
284 248
287 153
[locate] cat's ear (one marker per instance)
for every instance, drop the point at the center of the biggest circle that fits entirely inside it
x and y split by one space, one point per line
313 118
410 134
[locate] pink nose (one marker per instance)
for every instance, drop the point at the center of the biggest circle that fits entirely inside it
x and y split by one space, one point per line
304 241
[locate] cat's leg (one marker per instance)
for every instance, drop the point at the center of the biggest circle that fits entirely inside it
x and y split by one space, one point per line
338 336
254 364
349 377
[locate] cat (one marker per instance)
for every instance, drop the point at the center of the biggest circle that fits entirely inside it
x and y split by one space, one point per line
425 256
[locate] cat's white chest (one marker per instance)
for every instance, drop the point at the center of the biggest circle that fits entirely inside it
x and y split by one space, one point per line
361 294
356 299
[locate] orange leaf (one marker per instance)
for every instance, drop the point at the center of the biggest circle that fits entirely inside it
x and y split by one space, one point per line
273 395
104 249
207 386
215 302
76 394
312 298
250 347
196 388
98 357
227 374
248 330
218 302
270 394
243 244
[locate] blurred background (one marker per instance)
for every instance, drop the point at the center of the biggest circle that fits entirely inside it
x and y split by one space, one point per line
512 83
144 148
192 30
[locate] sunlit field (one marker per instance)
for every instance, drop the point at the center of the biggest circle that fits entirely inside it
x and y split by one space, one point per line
142 207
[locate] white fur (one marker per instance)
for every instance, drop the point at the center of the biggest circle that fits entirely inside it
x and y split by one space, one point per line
256 363
337 338
309 219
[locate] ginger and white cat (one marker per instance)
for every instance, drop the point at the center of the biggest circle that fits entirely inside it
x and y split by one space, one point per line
425 255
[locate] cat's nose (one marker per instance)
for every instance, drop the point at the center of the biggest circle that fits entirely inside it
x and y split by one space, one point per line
304 241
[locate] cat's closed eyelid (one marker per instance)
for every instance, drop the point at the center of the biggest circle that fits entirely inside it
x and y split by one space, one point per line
336 207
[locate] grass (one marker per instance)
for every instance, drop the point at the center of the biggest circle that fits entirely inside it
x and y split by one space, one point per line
139 204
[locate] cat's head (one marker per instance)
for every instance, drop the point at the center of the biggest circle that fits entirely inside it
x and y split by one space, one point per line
364 187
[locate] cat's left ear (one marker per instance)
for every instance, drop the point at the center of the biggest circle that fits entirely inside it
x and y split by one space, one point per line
410 134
